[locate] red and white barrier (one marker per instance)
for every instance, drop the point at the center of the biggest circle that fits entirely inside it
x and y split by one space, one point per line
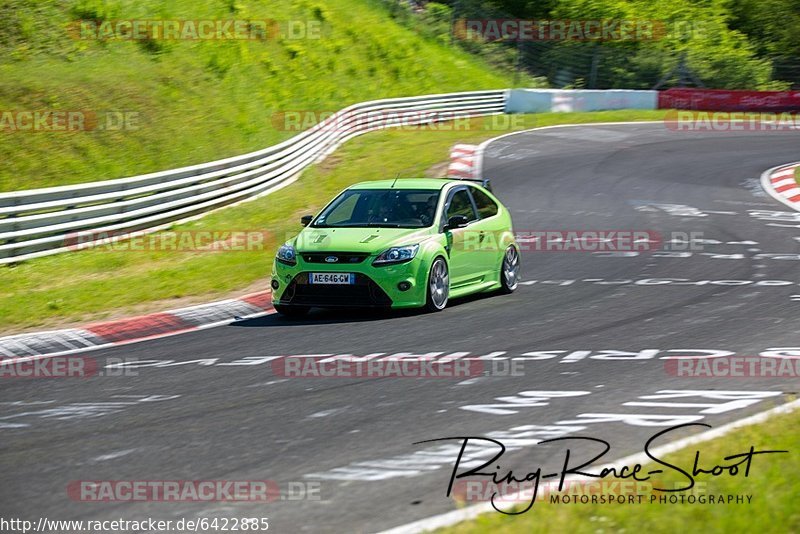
462 162
782 184
728 100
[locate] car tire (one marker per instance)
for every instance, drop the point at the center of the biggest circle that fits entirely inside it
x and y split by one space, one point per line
437 291
509 270
292 312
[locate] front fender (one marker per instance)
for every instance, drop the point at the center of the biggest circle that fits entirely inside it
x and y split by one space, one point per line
432 248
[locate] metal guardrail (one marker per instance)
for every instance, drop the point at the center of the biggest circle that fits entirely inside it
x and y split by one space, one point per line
40 222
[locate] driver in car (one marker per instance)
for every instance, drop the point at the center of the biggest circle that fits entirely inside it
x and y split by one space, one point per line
429 211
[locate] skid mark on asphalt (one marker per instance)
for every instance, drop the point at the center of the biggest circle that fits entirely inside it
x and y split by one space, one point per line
327 413
112 455
79 410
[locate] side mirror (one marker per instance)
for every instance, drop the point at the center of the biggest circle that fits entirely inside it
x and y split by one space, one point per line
305 220
456 221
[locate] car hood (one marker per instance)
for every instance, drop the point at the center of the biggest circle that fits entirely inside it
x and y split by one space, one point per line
369 240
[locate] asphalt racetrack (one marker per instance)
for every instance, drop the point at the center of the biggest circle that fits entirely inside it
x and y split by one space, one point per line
589 332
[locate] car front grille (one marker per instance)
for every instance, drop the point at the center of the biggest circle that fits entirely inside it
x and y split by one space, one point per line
364 293
346 258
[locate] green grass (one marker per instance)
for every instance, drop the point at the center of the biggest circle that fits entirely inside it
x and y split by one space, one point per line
797 175
93 284
772 483
198 101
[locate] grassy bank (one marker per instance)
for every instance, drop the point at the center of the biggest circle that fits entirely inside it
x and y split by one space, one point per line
95 284
772 484
190 101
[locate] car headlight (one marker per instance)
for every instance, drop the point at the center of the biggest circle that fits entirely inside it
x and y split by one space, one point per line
286 254
396 255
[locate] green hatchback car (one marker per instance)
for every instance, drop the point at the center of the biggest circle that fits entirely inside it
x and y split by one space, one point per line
404 243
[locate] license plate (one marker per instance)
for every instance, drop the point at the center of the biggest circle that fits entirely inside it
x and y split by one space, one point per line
332 278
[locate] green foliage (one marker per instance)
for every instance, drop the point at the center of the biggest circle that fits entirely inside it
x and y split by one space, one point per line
719 56
772 25
436 21
731 44
201 100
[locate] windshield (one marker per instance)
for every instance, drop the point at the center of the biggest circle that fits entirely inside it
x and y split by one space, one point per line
386 208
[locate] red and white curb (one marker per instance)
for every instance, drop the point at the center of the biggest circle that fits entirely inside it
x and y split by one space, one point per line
781 183
462 162
22 347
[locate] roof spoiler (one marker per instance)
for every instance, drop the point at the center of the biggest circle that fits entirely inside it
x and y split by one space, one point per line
485 182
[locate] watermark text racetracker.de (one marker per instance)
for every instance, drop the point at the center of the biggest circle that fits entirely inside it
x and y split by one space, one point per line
586 30
570 240
730 121
488 30
734 367
591 241
427 120
68 121
195 30
373 366
66 366
169 241
260 491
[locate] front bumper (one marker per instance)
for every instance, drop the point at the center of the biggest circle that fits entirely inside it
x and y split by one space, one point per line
374 287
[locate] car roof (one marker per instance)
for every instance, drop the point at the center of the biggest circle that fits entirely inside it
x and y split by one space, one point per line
404 183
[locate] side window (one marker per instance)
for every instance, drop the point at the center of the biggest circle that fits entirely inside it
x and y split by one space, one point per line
486 206
460 204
